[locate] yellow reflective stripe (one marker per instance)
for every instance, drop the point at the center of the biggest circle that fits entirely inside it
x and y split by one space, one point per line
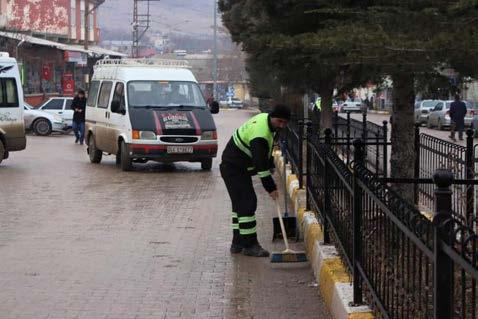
235 226
251 168
234 215
247 219
240 145
264 174
249 231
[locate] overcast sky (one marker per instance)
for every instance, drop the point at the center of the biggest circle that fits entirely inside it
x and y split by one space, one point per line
188 16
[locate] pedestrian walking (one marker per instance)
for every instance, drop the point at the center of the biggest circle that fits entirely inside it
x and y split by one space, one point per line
249 152
79 107
457 117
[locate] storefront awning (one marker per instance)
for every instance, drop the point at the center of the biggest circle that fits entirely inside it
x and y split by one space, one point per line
92 50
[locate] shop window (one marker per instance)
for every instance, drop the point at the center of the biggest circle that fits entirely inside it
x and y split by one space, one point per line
105 95
9 93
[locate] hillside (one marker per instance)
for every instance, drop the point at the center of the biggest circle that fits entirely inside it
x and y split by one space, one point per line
166 15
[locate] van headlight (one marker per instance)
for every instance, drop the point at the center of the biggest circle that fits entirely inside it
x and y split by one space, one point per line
144 135
209 135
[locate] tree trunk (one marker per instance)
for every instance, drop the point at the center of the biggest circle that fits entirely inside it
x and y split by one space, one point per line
403 153
326 92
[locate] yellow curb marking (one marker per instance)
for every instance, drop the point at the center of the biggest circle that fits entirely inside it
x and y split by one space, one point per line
331 272
314 232
361 315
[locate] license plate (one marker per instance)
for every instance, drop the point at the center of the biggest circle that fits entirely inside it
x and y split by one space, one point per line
180 149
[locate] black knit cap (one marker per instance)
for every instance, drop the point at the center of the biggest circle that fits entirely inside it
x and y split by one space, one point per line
280 111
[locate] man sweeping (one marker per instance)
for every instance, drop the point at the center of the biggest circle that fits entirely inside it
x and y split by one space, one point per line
249 152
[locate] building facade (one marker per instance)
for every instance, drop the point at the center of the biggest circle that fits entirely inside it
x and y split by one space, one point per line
57 20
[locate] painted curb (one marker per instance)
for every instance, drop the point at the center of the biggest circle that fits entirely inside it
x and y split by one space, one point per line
333 280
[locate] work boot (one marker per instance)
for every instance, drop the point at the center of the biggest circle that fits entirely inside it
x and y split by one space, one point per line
255 251
236 249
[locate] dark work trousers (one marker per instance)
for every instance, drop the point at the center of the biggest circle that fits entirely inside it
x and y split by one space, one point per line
244 204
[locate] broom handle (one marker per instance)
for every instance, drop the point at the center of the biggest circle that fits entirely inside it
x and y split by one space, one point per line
284 235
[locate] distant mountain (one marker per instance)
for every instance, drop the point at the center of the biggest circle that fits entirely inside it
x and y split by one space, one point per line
185 16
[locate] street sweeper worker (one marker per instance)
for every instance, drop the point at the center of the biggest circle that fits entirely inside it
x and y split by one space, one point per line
249 152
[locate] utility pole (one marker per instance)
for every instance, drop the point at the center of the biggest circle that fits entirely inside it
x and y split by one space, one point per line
141 24
214 71
87 23
87 15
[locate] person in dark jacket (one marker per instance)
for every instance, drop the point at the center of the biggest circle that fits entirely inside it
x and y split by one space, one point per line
79 107
457 116
249 152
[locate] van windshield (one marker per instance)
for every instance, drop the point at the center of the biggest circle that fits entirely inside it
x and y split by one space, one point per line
164 94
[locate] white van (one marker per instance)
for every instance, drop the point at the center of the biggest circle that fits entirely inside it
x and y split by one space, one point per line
141 110
12 128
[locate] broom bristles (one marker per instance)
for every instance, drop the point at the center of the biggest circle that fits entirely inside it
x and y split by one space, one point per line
287 257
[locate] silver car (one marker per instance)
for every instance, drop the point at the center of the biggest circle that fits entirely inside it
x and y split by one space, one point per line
43 123
440 115
422 110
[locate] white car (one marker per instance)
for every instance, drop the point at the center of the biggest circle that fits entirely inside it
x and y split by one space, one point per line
41 122
60 106
351 106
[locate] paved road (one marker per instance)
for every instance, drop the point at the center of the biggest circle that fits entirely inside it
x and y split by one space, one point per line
379 118
79 240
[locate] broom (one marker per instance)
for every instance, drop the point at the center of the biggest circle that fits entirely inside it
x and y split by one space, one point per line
288 255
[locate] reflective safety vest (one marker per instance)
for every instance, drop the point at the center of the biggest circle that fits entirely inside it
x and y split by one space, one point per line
318 104
256 127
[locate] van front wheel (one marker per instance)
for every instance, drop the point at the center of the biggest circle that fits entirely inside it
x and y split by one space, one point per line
126 161
206 164
94 153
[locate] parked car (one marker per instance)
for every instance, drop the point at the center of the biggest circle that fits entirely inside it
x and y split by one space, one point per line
351 106
232 102
41 122
60 106
153 111
440 115
12 127
423 109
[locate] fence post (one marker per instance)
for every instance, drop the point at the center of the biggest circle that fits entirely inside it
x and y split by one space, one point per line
326 208
364 126
443 275
359 157
348 138
308 165
385 149
336 124
416 166
301 155
470 174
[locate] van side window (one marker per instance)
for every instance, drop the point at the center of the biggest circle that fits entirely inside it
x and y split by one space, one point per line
118 103
9 93
93 93
104 98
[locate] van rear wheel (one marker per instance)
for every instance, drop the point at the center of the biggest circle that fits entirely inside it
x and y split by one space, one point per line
94 153
126 161
206 164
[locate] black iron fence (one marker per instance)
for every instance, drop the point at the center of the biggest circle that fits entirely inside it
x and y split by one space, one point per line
404 264
433 153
